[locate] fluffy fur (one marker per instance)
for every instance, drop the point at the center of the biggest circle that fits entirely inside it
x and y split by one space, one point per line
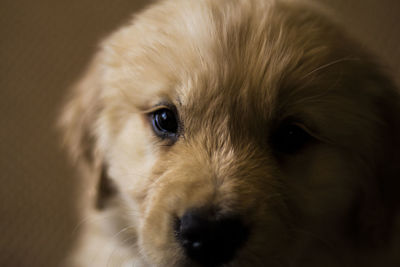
236 70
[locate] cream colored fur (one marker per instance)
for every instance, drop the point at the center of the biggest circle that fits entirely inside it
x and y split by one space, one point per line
235 69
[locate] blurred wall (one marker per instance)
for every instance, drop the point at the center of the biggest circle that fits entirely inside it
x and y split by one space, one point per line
376 24
44 46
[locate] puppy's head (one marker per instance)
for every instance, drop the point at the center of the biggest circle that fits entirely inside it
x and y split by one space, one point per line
242 132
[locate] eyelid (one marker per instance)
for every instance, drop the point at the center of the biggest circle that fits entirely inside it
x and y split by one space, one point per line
312 133
303 127
155 108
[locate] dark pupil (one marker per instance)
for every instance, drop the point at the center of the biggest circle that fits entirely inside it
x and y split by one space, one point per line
165 121
290 139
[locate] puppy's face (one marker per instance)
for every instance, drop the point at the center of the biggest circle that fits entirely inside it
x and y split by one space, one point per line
234 132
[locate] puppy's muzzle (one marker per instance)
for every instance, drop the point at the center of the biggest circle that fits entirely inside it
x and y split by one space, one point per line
209 238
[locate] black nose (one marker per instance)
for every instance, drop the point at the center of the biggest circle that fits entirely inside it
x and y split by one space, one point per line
208 238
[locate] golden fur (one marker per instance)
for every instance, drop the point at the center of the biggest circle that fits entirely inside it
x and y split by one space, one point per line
235 70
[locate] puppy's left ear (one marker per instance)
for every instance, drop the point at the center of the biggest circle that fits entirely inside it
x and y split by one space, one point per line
378 216
389 167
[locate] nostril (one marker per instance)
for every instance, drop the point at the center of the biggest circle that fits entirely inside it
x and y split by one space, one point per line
208 239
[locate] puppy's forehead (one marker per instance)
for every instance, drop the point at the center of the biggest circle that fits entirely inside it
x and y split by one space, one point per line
213 59
243 57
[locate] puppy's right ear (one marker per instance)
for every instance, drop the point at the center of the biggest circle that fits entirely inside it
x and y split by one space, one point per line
79 116
78 125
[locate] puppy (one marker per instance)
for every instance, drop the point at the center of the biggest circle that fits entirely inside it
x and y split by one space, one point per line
235 133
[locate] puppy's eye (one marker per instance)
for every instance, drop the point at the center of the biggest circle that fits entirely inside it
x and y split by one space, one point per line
290 138
165 123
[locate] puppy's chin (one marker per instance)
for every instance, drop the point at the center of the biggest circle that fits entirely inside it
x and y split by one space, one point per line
245 133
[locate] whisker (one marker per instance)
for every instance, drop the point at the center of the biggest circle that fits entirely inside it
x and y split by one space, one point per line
114 250
130 227
90 219
330 64
313 236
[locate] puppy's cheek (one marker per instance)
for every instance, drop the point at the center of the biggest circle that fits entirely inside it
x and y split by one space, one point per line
324 191
132 156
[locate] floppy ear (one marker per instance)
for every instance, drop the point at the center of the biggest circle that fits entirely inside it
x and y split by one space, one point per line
79 116
377 217
78 125
389 167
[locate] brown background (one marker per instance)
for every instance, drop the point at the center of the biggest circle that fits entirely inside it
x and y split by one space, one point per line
44 46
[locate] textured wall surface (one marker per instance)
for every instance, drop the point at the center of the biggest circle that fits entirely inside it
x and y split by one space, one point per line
44 46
